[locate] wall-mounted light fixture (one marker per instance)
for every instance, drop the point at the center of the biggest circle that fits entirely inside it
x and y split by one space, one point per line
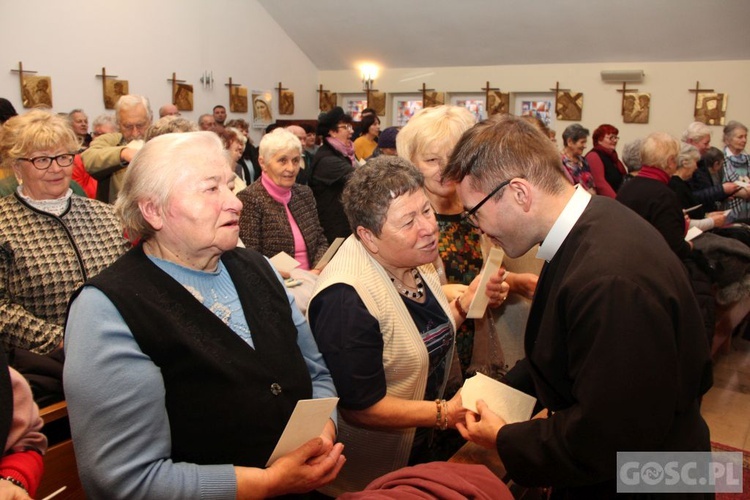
368 72
623 75
207 79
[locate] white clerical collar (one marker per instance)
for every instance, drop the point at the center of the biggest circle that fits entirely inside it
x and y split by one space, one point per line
564 223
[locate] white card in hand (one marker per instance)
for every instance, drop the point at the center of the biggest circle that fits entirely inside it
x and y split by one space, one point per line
506 402
332 249
308 420
480 300
693 232
284 263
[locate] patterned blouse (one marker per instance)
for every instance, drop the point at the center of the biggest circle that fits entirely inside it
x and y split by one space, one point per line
578 172
461 252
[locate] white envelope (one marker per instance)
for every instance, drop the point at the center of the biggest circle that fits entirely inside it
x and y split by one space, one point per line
479 302
506 402
308 420
284 263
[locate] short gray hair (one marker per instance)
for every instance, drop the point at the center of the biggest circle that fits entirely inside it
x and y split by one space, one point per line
154 171
687 152
695 131
575 133
130 101
371 189
631 155
730 128
104 119
170 124
276 141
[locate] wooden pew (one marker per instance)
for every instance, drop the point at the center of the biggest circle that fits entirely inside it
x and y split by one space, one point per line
60 467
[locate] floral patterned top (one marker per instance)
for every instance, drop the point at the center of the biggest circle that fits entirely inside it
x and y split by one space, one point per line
461 252
578 172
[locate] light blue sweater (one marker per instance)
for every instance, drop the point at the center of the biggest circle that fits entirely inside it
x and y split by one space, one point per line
116 400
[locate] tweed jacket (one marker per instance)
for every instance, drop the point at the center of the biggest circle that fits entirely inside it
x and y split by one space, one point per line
43 260
264 225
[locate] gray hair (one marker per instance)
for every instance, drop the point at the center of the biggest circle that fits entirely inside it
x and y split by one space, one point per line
575 133
170 124
105 119
154 171
276 141
77 110
687 153
631 155
695 131
730 128
658 148
130 101
371 189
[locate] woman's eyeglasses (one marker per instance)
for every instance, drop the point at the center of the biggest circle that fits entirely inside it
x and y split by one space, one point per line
44 162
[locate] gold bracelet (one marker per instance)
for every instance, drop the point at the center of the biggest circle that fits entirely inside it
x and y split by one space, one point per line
444 425
441 420
439 416
460 309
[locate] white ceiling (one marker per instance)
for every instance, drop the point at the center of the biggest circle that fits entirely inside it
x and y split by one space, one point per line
339 34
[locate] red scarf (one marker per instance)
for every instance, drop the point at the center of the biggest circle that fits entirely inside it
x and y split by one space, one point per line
649 172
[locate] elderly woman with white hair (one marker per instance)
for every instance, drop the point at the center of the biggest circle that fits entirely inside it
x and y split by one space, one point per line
186 357
705 191
279 214
687 164
737 169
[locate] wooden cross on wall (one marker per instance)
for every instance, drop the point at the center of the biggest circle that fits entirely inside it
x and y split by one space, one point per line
625 90
697 90
20 72
174 81
231 85
424 91
487 89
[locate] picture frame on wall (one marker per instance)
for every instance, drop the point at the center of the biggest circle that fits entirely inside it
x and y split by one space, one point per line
636 107
711 108
377 102
404 106
499 103
353 104
538 104
569 106
183 97
113 90
474 102
262 110
327 101
37 91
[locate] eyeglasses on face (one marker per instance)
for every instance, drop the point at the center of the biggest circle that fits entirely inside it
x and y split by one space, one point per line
346 126
134 126
612 137
470 216
44 162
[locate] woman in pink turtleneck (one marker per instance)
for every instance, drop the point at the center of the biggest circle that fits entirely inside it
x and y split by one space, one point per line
278 214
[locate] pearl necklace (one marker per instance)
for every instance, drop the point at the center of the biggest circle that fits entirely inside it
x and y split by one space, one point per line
408 291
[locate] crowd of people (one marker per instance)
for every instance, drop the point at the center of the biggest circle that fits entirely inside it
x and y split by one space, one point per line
138 260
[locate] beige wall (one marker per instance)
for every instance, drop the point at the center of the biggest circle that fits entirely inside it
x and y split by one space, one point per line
668 84
144 42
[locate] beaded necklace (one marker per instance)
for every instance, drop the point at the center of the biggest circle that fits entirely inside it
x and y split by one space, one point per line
411 292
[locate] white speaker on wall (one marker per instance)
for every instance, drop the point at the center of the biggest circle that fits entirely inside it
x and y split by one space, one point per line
623 75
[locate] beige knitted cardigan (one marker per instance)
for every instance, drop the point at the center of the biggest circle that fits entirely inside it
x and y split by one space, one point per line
372 453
